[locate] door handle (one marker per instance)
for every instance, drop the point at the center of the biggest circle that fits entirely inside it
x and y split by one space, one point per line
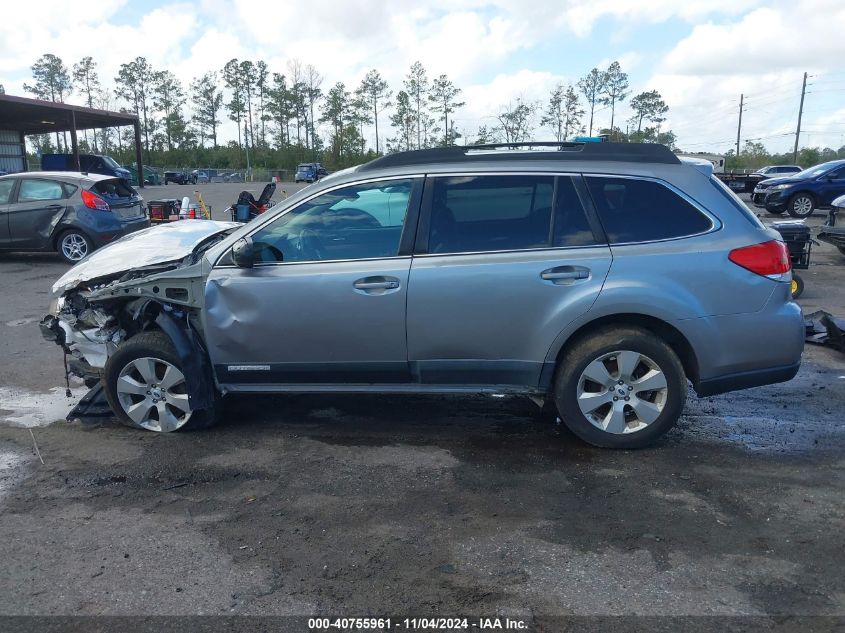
376 285
565 274
572 274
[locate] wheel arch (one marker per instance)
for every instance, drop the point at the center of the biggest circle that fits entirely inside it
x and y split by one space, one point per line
807 192
668 333
150 315
61 229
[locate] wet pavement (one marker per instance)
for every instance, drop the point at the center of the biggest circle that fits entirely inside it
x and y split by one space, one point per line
418 505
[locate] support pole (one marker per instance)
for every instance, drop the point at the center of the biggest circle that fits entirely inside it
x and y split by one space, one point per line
800 112
73 144
138 160
739 125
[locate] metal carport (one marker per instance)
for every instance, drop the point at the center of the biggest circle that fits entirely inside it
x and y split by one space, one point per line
20 116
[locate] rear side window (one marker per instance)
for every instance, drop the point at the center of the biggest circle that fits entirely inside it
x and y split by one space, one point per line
33 190
633 210
490 213
571 227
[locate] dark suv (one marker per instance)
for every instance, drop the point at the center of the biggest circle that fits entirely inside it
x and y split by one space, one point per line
88 163
309 172
179 177
800 194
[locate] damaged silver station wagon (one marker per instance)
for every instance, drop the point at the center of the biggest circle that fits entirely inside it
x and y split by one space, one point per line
599 278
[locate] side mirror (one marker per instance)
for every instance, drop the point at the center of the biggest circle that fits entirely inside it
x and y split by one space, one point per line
838 203
243 253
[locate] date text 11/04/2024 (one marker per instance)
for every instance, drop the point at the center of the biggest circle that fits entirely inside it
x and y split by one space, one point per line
416 624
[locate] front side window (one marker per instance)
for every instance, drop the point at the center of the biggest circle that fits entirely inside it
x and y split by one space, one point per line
356 222
36 190
634 210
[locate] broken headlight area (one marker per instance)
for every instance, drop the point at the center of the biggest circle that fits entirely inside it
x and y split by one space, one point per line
88 334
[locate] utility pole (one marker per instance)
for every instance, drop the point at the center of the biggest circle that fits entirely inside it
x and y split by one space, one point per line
800 112
739 125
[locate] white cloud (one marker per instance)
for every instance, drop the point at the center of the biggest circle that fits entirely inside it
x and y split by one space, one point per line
722 48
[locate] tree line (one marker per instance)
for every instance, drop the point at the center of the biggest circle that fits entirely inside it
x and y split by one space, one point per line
279 116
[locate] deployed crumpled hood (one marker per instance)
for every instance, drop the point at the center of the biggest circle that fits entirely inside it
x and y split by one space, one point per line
155 245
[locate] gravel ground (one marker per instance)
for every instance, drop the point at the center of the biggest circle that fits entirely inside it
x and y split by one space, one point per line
376 505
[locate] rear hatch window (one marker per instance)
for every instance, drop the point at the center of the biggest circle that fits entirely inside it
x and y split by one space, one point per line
122 198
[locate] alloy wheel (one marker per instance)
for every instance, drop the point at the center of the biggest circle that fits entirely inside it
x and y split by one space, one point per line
74 247
153 393
802 206
622 392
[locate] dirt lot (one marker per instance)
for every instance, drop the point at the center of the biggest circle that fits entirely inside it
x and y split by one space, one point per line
341 505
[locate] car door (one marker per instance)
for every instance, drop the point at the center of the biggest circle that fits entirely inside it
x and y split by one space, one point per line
831 186
39 206
503 264
7 186
325 302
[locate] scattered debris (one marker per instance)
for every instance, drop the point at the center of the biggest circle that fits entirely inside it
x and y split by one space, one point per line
35 444
179 485
822 328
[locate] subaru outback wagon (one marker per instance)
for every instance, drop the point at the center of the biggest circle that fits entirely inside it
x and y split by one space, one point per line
599 277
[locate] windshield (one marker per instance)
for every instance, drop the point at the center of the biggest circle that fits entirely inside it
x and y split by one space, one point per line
818 170
110 162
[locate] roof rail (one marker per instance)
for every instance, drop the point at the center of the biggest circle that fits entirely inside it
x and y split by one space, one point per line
549 150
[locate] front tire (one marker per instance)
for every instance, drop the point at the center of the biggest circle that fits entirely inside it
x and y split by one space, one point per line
146 387
73 246
620 387
801 205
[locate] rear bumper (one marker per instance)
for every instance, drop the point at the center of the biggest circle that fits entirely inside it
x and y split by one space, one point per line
747 379
102 238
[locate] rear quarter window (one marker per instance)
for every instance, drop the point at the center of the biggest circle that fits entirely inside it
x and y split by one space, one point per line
635 210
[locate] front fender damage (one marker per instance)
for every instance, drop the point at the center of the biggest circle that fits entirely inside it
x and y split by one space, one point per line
90 322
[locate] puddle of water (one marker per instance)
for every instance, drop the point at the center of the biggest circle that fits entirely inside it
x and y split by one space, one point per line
20 407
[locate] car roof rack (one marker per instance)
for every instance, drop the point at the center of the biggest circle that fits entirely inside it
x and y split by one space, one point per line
538 150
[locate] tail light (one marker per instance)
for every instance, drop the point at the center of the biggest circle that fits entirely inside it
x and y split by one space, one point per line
769 259
93 201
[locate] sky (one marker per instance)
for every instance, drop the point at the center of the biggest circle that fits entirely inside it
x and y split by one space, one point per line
700 55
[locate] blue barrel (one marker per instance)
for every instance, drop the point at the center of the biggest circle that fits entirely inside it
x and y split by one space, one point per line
243 213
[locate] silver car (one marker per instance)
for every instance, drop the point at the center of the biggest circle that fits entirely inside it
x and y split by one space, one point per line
600 278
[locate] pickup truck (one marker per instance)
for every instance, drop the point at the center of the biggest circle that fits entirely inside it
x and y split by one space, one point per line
179 177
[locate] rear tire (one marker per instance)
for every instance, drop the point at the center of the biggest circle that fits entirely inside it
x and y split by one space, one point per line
599 388
801 205
146 388
73 246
